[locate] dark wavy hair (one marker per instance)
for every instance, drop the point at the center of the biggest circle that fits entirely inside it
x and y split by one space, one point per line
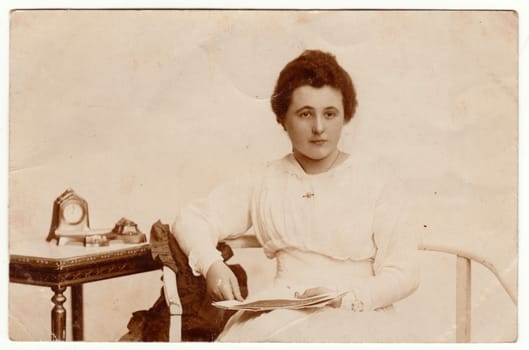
314 68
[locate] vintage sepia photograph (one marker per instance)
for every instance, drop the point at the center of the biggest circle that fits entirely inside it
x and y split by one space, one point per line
238 175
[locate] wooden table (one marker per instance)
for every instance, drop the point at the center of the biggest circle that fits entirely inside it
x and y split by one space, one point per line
59 267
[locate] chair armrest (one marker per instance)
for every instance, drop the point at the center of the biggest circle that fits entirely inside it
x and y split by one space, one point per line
171 291
248 241
463 285
173 302
473 257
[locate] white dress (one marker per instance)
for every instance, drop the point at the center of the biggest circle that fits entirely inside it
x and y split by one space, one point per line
341 229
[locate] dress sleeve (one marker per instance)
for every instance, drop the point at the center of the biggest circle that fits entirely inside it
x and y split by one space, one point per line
396 273
199 226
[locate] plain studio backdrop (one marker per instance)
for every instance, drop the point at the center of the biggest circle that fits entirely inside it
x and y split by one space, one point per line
142 111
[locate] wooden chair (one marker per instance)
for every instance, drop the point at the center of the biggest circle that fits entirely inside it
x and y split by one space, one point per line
464 261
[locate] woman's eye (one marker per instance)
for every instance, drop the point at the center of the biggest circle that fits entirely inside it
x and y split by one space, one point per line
330 114
305 114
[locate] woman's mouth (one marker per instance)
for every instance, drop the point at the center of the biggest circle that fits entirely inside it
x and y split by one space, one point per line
318 142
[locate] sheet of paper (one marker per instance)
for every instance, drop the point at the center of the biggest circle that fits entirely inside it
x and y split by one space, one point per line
281 303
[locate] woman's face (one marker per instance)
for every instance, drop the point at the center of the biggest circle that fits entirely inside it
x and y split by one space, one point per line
314 121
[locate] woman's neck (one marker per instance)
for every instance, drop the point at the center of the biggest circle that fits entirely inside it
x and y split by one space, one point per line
316 166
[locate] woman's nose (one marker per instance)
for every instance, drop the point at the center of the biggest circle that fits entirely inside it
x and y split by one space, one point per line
318 126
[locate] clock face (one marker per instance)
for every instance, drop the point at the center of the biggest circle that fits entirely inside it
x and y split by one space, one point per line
73 213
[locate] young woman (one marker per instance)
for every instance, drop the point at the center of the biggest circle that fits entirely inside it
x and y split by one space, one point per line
331 220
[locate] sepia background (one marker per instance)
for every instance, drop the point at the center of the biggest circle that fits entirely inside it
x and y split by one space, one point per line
141 111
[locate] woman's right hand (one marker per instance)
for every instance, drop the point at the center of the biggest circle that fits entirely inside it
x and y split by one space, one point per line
221 282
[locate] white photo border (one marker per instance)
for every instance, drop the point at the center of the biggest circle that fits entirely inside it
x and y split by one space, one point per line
520 6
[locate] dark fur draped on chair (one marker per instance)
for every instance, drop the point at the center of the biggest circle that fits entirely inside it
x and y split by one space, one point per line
200 320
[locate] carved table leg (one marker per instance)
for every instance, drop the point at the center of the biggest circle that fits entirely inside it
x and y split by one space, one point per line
77 312
58 314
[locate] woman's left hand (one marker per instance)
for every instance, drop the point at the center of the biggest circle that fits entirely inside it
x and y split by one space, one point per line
318 291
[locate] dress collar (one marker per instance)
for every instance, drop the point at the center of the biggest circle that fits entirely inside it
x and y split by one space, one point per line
292 167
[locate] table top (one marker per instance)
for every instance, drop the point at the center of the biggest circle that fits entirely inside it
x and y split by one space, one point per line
45 263
49 253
